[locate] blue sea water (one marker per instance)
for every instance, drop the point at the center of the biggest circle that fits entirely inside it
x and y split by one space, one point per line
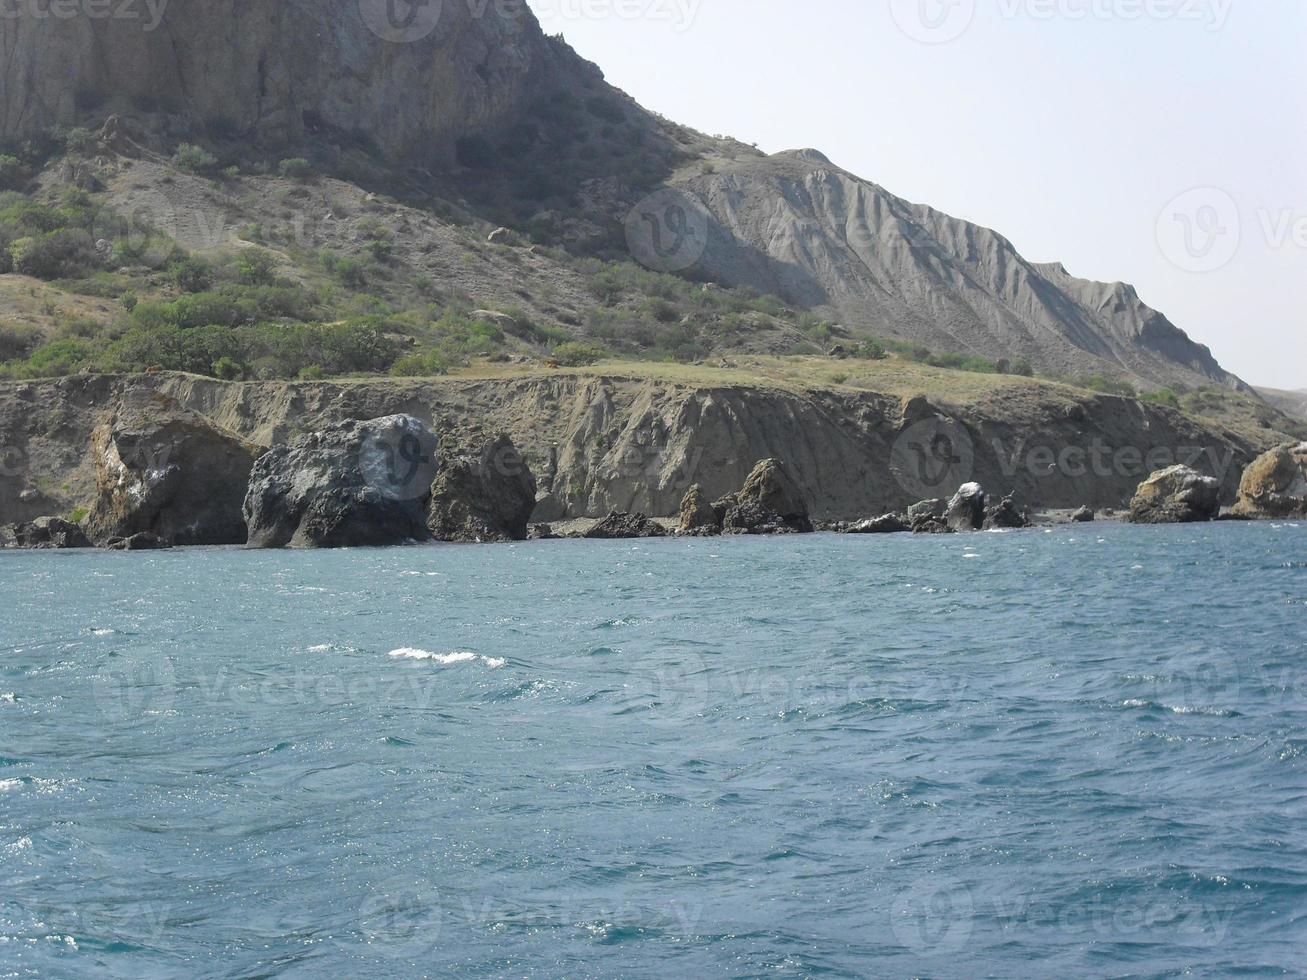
1068 753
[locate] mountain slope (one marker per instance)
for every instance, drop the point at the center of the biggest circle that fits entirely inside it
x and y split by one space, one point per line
475 106
795 224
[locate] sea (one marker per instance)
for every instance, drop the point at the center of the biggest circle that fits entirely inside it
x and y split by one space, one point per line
1075 751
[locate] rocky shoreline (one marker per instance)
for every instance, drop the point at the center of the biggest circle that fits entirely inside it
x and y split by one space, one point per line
143 462
167 476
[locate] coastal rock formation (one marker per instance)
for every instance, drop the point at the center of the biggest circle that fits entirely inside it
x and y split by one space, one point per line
1275 485
167 471
622 525
1083 516
966 511
770 502
1177 495
697 517
1006 515
44 533
484 495
355 484
885 524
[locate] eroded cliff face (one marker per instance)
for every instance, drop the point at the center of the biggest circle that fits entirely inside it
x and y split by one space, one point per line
410 79
598 443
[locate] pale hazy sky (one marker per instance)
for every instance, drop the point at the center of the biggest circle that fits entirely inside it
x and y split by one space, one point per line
1079 129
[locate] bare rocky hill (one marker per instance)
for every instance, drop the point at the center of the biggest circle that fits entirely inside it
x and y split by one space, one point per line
1291 403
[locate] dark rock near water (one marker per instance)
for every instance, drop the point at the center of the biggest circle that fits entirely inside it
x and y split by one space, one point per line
44 533
1083 516
541 532
770 502
482 496
966 511
1178 495
163 470
1006 515
1274 486
355 484
623 525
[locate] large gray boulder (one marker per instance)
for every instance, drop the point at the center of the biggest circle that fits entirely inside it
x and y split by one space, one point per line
1178 495
1274 486
356 484
885 524
966 511
163 470
619 525
482 496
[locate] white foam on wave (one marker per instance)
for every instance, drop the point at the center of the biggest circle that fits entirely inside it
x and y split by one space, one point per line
8 697
103 632
447 659
320 648
10 785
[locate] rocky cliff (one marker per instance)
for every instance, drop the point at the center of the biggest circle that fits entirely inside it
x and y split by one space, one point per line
281 69
602 442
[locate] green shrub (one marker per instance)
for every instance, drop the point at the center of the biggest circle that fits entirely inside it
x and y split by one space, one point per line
255 267
17 340
296 168
228 369
55 255
577 354
194 159
13 173
191 275
425 365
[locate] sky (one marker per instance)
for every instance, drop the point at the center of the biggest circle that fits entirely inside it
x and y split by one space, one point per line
1157 142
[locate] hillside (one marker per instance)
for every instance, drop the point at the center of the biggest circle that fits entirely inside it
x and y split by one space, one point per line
262 189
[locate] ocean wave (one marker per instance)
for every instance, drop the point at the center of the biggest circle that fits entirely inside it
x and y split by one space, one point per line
1180 709
447 659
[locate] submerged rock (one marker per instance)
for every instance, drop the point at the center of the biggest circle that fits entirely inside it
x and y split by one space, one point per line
1274 486
356 484
1178 495
885 524
482 496
622 525
144 541
162 469
44 533
966 511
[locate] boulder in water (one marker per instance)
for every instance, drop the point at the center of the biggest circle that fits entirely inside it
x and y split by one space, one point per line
484 495
885 524
1274 486
770 502
966 511
143 541
1006 515
1177 495
1083 516
355 484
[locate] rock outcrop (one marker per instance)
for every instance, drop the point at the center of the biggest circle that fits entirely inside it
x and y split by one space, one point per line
1083 516
483 495
770 502
355 484
621 525
52 533
966 511
166 471
1006 515
697 517
143 541
1177 495
1274 486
